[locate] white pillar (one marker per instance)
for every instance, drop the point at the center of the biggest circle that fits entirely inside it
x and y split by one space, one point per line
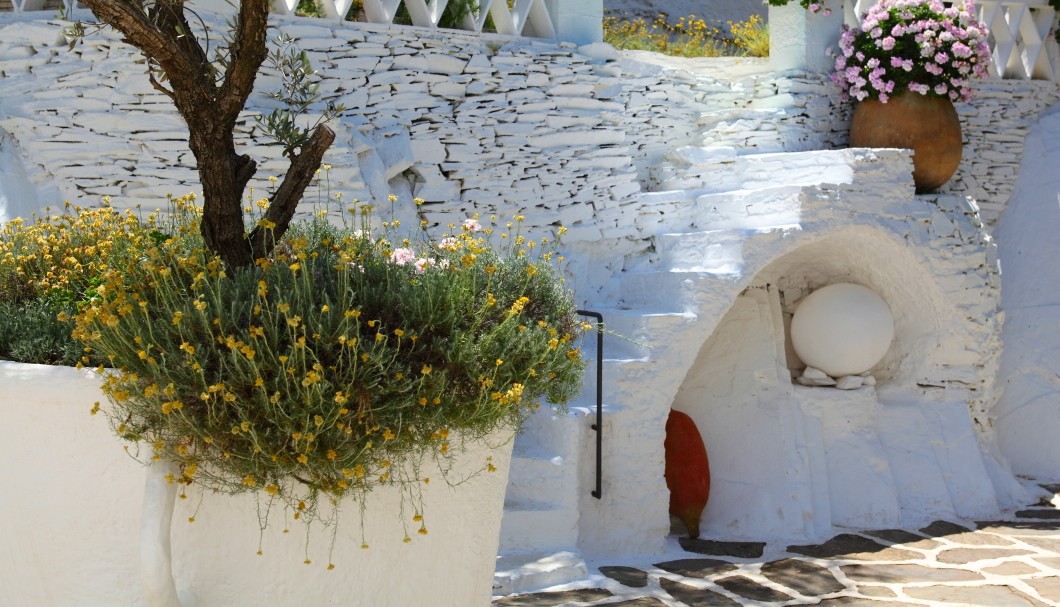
577 21
799 39
156 561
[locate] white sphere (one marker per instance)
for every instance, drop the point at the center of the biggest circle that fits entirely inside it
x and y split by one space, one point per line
842 329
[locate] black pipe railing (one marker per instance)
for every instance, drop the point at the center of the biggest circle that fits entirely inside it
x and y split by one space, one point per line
599 425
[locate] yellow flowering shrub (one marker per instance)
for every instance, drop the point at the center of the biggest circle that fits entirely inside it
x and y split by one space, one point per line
49 266
336 364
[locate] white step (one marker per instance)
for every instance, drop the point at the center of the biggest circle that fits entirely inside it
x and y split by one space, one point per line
717 170
551 479
530 571
528 526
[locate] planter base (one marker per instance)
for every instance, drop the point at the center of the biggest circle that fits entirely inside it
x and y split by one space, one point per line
927 125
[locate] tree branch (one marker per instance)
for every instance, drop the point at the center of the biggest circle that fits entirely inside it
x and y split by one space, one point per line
282 206
178 54
129 18
246 54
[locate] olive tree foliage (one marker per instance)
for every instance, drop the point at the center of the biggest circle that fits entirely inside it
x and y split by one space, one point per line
210 92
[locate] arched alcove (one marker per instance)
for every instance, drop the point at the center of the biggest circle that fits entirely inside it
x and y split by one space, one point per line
791 461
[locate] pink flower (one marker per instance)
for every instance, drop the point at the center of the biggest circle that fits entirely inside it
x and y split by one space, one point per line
472 225
402 256
422 264
887 43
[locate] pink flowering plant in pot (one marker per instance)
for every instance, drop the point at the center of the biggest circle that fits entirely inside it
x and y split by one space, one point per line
912 45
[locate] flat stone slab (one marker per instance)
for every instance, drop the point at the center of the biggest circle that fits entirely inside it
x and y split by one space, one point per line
906 573
552 599
696 597
877 591
895 536
994 596
1048 587
979 538
806 578
1021 528
1012 568
743 550
963 556
750 589
850 546
941 528
1046 513
644 601
698 568
627 576
857 601
1045 543
1049 562
907 539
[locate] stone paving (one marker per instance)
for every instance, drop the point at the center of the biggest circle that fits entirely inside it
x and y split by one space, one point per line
991 563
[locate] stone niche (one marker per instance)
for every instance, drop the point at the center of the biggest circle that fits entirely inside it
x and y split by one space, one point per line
795 461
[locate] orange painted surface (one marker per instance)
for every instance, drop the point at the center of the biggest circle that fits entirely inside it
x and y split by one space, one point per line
687 470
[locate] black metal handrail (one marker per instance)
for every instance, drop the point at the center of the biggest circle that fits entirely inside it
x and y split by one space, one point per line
599 425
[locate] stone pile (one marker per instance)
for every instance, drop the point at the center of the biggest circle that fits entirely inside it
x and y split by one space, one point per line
815 377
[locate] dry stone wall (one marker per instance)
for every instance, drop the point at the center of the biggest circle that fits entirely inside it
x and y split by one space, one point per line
469 123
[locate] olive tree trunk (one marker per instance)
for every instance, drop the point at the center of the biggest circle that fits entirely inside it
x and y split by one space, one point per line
210 99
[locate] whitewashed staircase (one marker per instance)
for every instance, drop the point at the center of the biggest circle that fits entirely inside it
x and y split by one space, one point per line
733 194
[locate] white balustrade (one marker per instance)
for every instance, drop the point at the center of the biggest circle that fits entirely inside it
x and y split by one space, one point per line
23 6
579 21
563 19
1019 35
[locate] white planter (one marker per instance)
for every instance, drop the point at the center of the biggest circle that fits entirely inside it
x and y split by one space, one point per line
73 503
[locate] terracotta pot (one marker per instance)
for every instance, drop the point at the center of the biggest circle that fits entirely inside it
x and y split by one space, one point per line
927 125
687 470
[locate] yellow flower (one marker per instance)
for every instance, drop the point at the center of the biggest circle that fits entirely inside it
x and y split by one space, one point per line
302 458
250 481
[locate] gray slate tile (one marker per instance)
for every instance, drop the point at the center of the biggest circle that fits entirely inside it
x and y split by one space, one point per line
906 573
941 528
696 597
850 546
552 599
743 550
698 568
750 589
627 576
801 576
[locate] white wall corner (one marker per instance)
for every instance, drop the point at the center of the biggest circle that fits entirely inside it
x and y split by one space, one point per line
799 39
577 21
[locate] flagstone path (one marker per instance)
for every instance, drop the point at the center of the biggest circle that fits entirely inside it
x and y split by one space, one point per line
1013 563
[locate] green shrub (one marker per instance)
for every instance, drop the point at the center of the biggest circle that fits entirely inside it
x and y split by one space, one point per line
335 365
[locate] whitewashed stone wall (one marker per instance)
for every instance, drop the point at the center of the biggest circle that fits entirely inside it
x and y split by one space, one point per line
468 123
